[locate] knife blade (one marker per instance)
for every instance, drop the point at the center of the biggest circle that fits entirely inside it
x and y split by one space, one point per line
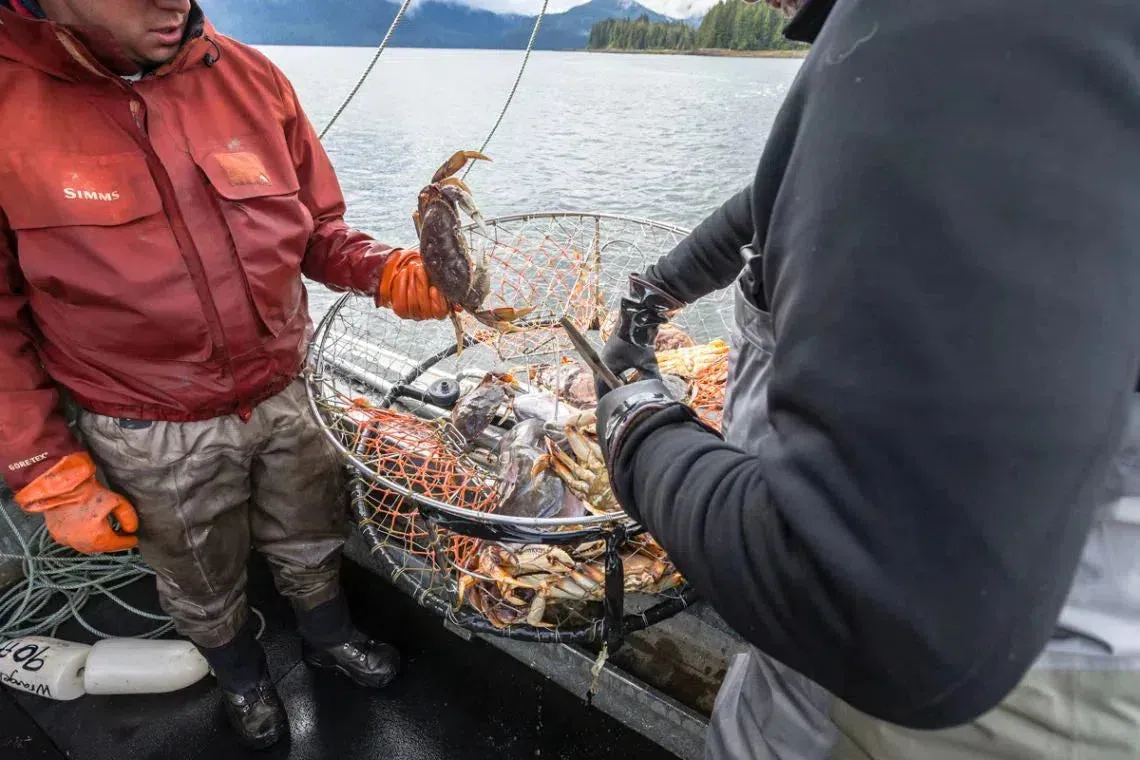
589 355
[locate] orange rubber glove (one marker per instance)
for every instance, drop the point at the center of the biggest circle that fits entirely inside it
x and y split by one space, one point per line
75 507
405 289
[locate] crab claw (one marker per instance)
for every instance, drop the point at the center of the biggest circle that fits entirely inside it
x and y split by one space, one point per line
457 162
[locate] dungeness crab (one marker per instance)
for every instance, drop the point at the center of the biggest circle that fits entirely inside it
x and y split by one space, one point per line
462 280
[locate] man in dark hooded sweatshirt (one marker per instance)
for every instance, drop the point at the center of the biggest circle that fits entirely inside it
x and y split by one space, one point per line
924 511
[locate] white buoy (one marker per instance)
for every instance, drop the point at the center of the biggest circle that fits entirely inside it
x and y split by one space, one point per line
142 666
44 666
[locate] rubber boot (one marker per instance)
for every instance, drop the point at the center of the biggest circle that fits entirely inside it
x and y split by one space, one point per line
251 702
332 642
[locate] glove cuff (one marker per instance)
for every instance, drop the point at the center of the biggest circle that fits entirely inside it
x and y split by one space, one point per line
645 309
394 261
622 408
653 295
63 484
618 415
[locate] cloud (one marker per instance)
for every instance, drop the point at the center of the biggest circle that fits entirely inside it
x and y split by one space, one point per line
680 8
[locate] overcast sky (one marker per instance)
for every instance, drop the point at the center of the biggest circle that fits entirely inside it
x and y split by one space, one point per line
677 8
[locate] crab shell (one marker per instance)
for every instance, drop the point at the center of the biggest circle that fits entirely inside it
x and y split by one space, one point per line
474 411
444 251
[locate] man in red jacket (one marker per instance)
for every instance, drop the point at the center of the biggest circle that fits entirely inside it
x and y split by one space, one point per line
161 195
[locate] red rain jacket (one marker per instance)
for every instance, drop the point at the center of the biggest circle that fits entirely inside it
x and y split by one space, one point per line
153 235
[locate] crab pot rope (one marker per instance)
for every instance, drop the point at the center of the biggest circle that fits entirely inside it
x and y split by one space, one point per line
515 86
368 70
384 44
396 570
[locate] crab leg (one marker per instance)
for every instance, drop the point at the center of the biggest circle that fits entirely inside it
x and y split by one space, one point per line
537 611
458 334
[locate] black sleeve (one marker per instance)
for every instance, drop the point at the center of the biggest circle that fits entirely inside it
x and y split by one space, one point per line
708 259
953 263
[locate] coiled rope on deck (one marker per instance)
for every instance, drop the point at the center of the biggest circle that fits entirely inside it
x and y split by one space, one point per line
52 570
58 583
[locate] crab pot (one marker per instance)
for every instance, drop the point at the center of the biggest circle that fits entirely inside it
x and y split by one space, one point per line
477 484
419 578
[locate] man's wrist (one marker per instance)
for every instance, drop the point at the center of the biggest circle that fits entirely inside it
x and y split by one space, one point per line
623 408
621 414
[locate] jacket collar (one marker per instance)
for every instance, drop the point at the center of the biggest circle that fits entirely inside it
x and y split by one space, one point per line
83 53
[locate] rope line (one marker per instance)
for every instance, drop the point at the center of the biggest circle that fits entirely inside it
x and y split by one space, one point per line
368 69
515 87
58 582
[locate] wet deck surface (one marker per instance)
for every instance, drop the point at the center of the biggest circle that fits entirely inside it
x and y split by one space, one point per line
455 699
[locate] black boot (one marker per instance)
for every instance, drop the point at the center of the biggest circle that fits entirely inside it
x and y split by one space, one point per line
251 703
256 714
331 642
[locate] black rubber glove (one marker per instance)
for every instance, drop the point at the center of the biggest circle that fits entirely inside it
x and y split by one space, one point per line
633 343
620 410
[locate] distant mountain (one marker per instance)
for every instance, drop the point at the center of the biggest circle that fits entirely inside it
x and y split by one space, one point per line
431 24
571 29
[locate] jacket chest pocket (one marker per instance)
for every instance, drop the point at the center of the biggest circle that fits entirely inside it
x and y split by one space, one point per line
258 195
106 276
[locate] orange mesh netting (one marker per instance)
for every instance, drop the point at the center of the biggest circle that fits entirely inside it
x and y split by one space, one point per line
422 457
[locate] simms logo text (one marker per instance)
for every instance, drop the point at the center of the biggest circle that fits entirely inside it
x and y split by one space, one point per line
89 195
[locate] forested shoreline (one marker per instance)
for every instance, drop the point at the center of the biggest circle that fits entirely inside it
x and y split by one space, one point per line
730 26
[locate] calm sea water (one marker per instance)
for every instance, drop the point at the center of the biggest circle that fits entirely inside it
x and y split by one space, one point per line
662 137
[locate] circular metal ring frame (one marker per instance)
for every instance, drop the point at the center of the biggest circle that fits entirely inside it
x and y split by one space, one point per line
321 336
614 528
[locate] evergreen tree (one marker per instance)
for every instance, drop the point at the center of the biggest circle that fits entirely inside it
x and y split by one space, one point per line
725 25
641 34
706 34
736 25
